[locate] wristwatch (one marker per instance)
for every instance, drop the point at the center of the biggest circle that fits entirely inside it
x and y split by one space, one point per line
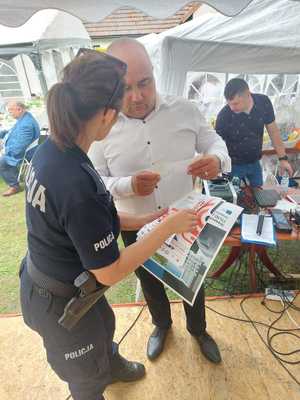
283 158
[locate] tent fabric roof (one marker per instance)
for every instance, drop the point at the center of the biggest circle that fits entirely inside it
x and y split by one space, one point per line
46 29
19 11
264 38
127 21
44 25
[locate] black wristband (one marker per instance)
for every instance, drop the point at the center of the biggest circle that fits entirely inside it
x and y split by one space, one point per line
283 158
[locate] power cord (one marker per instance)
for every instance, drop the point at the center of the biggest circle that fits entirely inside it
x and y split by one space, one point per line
132 325
279 331
247 320
268 343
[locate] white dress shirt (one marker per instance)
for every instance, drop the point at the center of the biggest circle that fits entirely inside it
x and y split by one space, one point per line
175 130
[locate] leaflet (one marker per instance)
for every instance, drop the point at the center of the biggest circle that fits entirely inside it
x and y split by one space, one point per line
165 168
183 261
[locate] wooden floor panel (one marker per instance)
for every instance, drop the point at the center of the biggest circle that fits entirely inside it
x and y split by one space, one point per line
248 370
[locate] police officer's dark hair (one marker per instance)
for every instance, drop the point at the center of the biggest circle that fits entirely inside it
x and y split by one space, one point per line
91 82
235 86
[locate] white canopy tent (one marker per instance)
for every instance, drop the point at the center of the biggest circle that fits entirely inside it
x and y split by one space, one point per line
18 11
262 39
45 31
254 18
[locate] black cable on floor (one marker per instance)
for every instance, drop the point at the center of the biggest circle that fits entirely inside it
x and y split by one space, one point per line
268 343
247 320
132 325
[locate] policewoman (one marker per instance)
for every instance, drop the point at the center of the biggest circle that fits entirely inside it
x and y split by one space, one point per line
73 228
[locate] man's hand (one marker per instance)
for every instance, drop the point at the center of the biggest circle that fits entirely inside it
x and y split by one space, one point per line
206 167
285 166
143 183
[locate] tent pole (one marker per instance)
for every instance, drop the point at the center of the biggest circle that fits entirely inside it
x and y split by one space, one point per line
26 76
37 61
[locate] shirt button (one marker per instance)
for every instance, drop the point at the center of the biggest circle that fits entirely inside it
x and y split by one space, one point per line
148 142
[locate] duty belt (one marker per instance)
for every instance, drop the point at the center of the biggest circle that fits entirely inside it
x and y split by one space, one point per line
54 286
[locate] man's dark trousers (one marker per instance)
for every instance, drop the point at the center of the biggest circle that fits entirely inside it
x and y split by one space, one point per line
158 302
9 173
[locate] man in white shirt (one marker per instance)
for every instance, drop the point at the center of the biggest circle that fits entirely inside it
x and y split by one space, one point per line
151 133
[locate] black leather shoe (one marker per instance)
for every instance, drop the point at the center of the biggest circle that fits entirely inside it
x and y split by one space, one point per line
126 371
156 342
209 347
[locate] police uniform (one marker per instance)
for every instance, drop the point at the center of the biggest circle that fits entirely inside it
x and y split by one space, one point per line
72 226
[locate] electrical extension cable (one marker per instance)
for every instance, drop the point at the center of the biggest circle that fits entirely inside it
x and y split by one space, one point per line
132 325
235 278
249 321
268 344
292 319
271 337
276 354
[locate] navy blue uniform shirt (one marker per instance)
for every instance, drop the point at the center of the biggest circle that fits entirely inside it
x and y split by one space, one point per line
242 132
71 219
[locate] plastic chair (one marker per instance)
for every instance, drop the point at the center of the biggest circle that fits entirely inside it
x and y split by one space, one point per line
27 159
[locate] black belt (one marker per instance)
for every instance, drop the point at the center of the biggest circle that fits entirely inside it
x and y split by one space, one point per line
57 288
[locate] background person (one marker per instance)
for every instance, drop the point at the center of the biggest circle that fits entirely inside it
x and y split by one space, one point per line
241 124
151 129
73 226
25 131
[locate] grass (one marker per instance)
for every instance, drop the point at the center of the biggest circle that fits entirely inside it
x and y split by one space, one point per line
13 248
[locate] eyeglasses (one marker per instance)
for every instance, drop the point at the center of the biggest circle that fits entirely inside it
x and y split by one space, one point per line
117 64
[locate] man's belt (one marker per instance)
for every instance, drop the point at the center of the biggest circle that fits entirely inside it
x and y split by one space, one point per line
54 286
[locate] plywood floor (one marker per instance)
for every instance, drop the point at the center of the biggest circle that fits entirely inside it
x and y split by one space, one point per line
248 370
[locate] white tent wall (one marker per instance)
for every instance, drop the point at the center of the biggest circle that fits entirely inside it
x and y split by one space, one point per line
43 28
27 75
49 36
49 69
66 56
181 56
264 38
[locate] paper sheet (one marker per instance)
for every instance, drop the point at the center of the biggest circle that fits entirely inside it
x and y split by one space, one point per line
165 168
249 226
285 205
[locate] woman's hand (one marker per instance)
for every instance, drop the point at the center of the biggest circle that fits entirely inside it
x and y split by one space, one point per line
146 218
131 222
181 221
